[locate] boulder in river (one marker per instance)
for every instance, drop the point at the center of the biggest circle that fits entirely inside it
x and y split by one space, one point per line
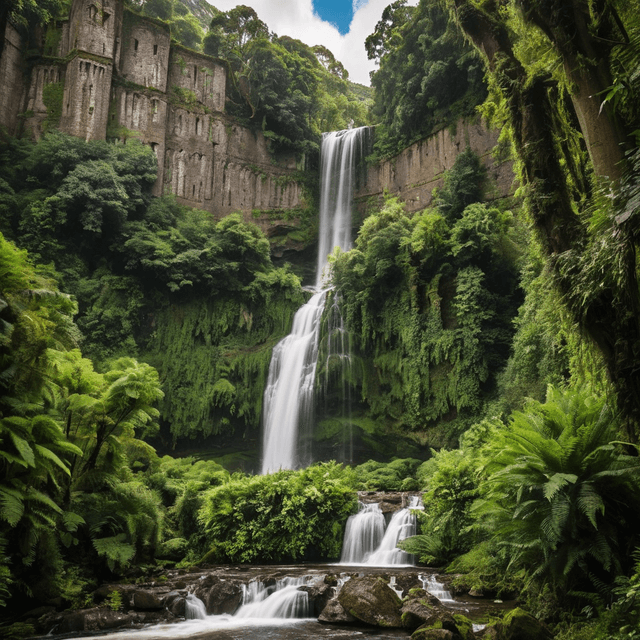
370 600
220 595
334 613
520 625
420 608
144 600
319 594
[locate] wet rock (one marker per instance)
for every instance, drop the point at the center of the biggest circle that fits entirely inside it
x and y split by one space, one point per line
434 634
220 596
418 611
334 613
520 625
372 601
94 620
146 600
319 595
442 620
175 602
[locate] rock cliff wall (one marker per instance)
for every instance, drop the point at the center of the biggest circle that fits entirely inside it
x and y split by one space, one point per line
109 73
417 170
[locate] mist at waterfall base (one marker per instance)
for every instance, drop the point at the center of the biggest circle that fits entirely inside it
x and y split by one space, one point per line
289 393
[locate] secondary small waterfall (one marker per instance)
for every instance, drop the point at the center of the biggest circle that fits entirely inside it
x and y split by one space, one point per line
363 534
282 600
368 541
288 396
194 608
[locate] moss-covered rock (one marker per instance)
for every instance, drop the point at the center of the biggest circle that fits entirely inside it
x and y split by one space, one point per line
370 600
334 613
520 625
465 626
428 633
420 608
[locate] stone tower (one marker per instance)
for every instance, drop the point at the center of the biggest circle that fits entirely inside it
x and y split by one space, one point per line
93 49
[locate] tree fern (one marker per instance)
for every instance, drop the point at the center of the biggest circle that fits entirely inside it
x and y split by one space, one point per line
568 492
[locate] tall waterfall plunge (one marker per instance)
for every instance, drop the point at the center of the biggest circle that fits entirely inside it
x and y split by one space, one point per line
288 396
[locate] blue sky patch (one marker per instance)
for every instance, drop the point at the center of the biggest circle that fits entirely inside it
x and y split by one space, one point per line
337 12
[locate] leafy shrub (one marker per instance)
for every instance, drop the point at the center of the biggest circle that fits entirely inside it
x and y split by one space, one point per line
285 516
397 475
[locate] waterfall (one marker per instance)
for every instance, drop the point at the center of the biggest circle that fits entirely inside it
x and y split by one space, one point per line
368 525
339 155
288 396
363 534
194 608
435 588
284 600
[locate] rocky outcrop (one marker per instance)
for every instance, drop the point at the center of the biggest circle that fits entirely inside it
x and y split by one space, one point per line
319 595
419 608
370 600
334 613
220 595
388 501
417 170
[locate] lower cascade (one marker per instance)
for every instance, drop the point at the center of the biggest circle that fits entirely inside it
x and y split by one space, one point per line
194 608
283 600
369 540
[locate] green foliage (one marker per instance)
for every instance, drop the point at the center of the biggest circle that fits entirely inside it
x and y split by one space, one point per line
114 600
397 475
285 516
562 493
445 523
294 91
427 299
128 260
428 75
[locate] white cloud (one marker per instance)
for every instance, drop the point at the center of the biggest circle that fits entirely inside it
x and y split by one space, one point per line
296 18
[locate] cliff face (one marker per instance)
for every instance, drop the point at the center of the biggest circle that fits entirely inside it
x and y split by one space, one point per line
107 72
417 170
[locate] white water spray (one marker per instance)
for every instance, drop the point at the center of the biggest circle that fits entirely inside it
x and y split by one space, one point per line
283 600
288 396
368 541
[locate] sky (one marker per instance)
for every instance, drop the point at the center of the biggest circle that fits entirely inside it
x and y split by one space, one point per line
340 25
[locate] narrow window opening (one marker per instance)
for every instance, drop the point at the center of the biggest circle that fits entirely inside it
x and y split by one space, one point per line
197 126
193 194
135 44
195 74
155 49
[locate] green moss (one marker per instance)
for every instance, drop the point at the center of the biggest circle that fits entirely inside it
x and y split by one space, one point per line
465 626
52 39
185 97
52 95
214 356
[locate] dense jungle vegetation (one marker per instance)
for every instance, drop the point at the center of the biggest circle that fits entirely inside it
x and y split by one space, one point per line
494 344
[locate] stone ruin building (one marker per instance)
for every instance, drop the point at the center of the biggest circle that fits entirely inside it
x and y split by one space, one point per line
108 73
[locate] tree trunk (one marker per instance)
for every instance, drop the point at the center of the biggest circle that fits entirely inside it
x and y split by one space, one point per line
612 317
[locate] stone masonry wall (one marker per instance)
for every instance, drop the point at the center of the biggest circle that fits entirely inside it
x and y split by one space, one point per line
119 77
12 84
416 171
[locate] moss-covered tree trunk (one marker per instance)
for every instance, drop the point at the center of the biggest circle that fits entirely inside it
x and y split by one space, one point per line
612 316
